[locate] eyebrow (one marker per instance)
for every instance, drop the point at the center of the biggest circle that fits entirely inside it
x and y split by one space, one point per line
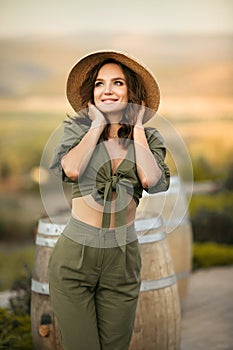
101 79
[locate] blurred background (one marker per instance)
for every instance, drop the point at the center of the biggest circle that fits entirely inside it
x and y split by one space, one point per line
187 45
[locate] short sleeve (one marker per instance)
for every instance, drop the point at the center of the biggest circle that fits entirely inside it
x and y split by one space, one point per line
158 149
72 135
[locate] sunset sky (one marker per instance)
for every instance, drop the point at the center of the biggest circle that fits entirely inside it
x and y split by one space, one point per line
57 17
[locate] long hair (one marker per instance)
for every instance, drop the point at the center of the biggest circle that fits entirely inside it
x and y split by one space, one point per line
136 94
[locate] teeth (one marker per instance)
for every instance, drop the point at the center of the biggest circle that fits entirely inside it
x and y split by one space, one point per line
109 101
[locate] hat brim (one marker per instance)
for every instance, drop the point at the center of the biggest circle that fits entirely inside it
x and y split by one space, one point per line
85 64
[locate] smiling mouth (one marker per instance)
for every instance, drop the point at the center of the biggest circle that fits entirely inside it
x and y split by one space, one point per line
109 100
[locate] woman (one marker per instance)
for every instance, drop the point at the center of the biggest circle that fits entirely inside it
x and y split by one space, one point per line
110 157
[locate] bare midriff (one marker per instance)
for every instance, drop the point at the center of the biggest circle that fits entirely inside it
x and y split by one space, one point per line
86 209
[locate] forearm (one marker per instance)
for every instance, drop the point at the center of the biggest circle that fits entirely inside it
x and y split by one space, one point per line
148 170
75 161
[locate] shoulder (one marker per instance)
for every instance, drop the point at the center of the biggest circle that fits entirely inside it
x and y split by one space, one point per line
78 124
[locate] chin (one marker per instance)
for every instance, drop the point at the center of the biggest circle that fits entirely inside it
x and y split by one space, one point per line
112 107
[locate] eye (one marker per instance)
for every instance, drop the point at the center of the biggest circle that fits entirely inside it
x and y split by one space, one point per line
98 83
119 82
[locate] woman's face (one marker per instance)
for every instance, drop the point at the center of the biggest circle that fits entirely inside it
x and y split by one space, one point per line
110 89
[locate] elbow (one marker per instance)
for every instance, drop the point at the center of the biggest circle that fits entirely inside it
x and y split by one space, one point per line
148 182
71 173
144 182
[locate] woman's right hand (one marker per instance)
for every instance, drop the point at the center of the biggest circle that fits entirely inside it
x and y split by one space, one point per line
95 115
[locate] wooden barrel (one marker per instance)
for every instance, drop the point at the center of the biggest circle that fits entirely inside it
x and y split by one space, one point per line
45 332
157 323
173 207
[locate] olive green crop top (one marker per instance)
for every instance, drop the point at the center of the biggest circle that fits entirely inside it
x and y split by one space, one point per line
98 179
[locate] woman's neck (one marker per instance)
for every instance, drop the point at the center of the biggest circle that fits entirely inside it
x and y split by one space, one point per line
114 124
113 130
114 118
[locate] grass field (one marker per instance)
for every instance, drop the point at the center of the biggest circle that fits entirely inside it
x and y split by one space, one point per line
16 263
24 136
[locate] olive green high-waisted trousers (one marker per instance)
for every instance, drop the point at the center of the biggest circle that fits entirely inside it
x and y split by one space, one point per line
94 289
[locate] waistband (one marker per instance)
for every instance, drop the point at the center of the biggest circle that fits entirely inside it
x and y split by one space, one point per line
93 236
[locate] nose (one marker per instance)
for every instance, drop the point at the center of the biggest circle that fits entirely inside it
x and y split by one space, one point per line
108 89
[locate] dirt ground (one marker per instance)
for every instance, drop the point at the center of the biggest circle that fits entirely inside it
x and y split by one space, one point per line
207 318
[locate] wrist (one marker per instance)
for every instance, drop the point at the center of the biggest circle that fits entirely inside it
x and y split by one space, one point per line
98 124
139 126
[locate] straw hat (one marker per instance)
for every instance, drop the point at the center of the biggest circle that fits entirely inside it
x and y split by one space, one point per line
86 63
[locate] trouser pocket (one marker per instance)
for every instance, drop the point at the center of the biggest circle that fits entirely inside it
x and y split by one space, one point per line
66 260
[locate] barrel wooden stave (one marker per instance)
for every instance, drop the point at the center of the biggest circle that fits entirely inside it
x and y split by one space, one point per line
40 300
40 306
172 206
157 321
180 245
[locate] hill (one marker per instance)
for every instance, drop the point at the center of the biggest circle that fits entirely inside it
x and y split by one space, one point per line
184 65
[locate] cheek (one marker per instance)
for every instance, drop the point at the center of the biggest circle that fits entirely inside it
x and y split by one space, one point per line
125 95
95 95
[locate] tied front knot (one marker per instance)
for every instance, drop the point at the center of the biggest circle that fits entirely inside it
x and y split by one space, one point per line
114 181
105 189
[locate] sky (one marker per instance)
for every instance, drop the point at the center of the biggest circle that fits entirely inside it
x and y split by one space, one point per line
61 17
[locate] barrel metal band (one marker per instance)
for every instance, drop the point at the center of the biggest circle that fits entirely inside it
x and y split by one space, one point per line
158 284
39 287
46 242
156 237
148 224
43 288
50 229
